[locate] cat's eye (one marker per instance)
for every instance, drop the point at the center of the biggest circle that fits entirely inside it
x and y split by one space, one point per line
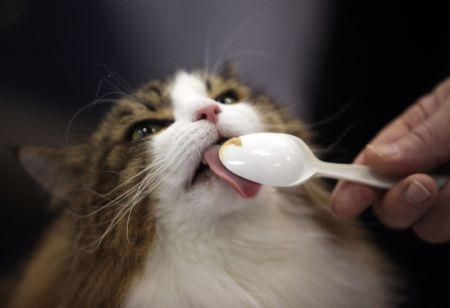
227 97
146 128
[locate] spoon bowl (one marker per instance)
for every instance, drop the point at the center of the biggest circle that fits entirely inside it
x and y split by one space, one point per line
284 160
268 158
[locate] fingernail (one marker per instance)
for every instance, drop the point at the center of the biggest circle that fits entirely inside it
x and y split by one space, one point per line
384 150
417 194
335 200
341 202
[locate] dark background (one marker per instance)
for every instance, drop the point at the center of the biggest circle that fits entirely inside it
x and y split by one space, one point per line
347 67
381 57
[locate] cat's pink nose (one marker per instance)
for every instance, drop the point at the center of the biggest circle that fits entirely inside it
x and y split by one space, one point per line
208 113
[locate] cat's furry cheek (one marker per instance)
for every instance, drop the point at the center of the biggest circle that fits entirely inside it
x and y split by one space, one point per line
240 119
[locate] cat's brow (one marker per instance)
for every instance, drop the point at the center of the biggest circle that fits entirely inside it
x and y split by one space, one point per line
149 105
154 106
124 113
208 85
155 89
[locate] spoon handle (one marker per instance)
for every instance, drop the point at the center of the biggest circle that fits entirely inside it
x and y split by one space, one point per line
362 174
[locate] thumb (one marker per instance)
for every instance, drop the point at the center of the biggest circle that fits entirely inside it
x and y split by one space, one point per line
423 148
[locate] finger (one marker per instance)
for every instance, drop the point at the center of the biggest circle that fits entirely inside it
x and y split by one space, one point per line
442 91
348 199
414 115
410 118
422 149
407 201
434 226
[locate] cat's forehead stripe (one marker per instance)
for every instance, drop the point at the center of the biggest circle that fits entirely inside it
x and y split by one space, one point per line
155 88
187 86
150 99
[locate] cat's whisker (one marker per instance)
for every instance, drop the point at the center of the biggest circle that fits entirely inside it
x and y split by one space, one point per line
149 167
130 211
207 53
139 196
237 56
111 172
120 214
130 179
94 192
329 119
113 223
79 111
254 52
311 125
113 87
128 221
337 141
138 192
280 109
177 163
121 82
108 222
109 204
275 126
99 99
114 94
238 30
122 90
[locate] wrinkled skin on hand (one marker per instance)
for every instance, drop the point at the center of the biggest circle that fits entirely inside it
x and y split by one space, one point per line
411 146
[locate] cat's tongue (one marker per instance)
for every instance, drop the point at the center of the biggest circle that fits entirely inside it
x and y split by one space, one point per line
245 188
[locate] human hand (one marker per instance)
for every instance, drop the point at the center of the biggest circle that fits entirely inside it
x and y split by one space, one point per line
411 146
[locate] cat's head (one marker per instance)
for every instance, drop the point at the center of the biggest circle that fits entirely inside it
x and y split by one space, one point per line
147 153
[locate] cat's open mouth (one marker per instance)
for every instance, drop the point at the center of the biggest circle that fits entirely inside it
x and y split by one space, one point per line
203 166
210 165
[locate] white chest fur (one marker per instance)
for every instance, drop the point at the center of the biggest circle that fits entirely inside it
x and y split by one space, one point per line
262 257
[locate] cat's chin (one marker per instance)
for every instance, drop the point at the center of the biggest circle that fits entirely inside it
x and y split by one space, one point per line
202 176
209 185
208 190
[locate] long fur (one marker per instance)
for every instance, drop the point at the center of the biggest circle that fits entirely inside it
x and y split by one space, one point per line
138 232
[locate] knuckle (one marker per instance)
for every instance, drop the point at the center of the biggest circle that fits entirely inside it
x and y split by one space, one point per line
398 223
423 135
430 235
414 117
386 216
442 91
428 103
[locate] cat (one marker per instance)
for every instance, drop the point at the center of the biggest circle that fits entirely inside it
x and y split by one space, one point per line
147 223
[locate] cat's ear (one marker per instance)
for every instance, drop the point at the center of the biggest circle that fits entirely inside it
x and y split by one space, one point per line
229 70
58 171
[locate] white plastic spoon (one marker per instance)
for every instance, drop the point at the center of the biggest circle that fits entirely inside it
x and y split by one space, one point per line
285 160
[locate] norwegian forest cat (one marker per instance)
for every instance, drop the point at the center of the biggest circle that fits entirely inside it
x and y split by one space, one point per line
148 224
